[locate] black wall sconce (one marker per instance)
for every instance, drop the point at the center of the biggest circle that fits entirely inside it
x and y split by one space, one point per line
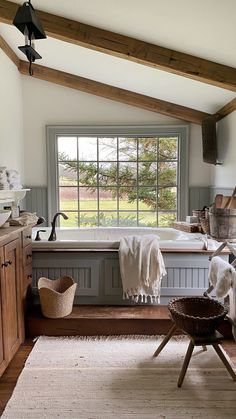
29 24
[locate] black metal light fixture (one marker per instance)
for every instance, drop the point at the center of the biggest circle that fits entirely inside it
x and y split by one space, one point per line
29 24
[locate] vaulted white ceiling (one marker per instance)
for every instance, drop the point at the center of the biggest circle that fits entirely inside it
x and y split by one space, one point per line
203 28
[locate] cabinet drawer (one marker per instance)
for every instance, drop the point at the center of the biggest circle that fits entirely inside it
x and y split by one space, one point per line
27 255
27 236
27 277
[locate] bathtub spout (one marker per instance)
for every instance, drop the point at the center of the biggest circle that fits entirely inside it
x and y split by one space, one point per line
53 236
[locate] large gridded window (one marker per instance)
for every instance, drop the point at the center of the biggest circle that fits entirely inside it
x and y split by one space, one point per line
117 180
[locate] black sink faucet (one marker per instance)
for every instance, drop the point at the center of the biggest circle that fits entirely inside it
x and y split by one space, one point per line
53 236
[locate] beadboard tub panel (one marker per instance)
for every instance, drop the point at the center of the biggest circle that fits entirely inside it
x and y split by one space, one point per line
99 280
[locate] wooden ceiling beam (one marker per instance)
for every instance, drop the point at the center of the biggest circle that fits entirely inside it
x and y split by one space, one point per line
9 52
226 110
113 93
132 49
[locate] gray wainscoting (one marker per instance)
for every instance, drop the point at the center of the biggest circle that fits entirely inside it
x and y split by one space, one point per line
36 200
199 197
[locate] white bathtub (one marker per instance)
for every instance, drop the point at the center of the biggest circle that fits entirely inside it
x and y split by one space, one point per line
109 237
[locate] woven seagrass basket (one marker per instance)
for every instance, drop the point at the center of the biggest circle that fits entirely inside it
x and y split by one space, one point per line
205 225
56 296
199 316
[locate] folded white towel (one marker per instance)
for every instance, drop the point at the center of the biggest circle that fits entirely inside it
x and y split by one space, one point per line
232 305
141 267
222 276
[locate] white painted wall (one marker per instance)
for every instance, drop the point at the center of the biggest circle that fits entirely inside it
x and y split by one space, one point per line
48 104
224 176
11 116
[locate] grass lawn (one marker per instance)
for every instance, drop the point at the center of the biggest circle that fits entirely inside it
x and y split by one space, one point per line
105 204
127 218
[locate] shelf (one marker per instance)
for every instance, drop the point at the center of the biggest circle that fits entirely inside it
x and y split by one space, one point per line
12 195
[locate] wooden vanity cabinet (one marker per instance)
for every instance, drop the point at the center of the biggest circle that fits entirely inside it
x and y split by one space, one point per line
11 298
14 265
26 275
3 360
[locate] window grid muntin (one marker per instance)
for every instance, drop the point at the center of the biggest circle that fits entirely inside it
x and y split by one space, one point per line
137 161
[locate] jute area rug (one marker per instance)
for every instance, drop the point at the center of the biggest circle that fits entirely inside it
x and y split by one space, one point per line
117 377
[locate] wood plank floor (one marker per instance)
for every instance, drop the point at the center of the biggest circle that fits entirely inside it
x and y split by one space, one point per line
10 376
92 320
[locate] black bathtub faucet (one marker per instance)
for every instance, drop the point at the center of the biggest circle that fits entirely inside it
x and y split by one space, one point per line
53 236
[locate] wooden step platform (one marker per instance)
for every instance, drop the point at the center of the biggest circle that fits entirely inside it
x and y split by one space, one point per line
101 320
89 320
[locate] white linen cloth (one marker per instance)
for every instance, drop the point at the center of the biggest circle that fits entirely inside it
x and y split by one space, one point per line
208 243
222 276
26 218
142 268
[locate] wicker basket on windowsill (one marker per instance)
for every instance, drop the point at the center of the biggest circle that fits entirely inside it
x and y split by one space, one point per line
205 225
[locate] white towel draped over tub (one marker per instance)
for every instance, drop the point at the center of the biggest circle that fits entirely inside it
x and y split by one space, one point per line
142 268
222 276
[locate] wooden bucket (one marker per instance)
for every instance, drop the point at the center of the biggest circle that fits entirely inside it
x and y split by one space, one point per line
222 223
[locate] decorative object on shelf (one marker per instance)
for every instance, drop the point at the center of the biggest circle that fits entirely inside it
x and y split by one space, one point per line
191 219
15 210
187 227
29 24
4 184
15 196
4 215
13 178
200 213
9 179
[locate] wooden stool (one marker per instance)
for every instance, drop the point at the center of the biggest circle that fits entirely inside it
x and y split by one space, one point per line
215 339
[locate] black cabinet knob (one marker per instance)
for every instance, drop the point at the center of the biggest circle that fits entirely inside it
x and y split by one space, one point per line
6 263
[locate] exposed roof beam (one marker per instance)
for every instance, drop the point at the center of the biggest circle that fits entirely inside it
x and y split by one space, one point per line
9 52
104 90
226 110
113 93
129 48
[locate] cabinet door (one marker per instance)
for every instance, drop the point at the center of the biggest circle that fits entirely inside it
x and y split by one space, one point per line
3 362
11 299
27 236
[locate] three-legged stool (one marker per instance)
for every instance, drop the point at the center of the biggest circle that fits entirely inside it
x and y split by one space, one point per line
215 339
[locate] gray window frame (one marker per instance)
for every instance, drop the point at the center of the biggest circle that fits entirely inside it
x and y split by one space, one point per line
182 131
